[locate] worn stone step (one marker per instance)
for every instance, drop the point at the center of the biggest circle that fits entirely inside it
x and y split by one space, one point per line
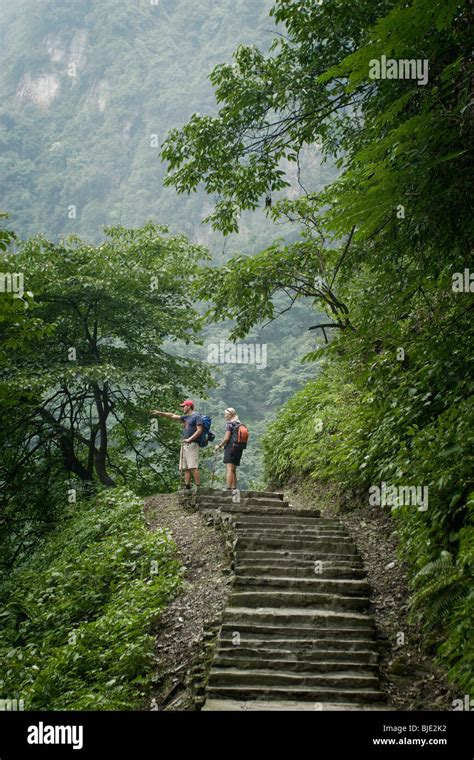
298 617
289 518
282 536
244 508
289 652
280 558
204 492
236 661
289 693
299 599
250 502
341 679
299 531
207 491
296 531
342 586
229 704
295 556
297 544
285 569
262 494
296 639
289 514
279 522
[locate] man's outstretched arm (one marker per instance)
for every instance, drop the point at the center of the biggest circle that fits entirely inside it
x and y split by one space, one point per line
170 415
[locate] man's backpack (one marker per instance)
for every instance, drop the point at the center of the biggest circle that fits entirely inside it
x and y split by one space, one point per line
240 435
207 434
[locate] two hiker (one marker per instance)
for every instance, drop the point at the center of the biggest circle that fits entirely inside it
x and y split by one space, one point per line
194 425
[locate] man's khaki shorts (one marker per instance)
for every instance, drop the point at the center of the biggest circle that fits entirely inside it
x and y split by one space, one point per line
189 456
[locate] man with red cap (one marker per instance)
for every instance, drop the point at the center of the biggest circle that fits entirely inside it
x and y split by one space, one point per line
192 430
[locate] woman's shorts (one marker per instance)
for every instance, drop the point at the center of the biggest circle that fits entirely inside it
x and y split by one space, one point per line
233 454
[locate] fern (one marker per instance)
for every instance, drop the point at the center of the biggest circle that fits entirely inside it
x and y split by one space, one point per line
442 585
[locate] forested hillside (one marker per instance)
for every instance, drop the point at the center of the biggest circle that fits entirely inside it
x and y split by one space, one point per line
337 244
384 250
99 328
89 92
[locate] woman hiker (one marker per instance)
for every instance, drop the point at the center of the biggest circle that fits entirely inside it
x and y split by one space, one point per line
232 449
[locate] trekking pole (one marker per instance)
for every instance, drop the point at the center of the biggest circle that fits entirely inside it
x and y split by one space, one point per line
213 471
182 477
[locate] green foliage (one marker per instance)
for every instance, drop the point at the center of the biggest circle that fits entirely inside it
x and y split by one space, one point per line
141 71
99 338
257 392
298 270
394 400
403 150
78 616
373 417
377 254
324 416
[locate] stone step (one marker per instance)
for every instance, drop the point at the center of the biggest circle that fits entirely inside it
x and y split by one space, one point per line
276 598
304 653
203 492
296 556
236 661
286 705
206 491
246 677
342 586
289 693
297 530
253 502
289 518
262 494
297 627
245 508
291 617
290 531
282 536
296 544
260 637
285 569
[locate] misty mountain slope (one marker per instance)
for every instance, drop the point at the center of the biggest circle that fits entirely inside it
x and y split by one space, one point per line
89 91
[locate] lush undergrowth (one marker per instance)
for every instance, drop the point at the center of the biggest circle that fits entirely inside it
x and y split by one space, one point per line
379 414
79 614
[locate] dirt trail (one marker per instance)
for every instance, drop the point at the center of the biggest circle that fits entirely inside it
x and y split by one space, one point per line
201 549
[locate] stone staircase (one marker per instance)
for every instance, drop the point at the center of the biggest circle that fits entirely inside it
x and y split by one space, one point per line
296 632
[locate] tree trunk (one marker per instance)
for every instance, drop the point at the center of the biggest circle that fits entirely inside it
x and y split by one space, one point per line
102 407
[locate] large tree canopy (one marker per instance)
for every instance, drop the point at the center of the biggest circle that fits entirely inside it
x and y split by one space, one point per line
401 145
398 141
87 353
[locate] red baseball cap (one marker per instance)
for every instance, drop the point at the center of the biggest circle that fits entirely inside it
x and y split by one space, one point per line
188 402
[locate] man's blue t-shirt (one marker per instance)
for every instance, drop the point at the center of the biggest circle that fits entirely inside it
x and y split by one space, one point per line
191 421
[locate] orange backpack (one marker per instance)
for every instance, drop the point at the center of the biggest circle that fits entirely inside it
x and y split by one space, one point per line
242 435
